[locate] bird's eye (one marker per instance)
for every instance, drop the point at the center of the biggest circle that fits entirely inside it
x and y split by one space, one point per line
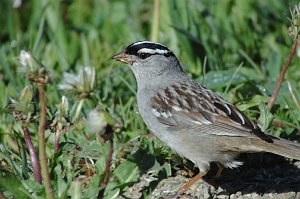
144 55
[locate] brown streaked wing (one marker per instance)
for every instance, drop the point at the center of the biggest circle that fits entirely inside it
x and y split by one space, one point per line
194 103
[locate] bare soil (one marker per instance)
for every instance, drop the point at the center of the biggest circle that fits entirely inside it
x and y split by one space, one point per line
261 176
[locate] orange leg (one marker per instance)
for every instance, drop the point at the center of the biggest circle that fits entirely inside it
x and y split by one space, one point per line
191 182
221 168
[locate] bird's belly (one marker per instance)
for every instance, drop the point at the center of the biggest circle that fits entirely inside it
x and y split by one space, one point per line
196 147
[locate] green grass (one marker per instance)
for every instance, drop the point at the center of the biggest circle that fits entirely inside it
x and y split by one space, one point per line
236 48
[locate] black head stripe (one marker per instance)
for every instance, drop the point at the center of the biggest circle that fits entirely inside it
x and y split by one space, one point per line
133 49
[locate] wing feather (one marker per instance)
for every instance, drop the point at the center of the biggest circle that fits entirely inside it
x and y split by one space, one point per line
190 105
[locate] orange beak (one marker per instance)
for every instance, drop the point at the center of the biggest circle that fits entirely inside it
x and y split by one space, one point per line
122 57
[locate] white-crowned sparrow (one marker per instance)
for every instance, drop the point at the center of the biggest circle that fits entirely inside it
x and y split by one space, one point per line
191 119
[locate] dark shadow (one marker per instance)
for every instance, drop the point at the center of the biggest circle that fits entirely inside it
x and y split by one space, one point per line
145 161
261 173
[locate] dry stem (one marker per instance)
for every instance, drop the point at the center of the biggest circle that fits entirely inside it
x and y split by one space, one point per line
282 74
42 144
2 196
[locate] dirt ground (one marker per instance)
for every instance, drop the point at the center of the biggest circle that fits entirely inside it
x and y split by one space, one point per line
261 176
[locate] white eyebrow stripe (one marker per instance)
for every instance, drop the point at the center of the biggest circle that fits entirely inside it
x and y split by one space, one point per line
153 51
147 42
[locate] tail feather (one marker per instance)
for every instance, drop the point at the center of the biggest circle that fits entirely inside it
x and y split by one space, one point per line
282 147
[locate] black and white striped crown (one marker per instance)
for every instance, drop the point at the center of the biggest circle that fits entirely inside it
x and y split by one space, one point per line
148 47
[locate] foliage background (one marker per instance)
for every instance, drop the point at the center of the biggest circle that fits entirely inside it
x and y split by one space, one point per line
236 48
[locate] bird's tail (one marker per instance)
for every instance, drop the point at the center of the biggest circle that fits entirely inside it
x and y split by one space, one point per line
282 147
